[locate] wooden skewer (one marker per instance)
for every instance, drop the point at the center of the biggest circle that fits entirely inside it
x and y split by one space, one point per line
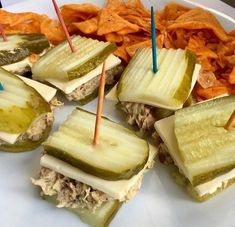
99 106
4 37
63 26
230 122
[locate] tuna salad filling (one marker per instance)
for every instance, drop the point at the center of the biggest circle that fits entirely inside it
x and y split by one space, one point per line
91 86
36 130
69 193
143 116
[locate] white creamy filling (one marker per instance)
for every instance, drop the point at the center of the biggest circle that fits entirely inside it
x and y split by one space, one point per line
165 129
115 189
70 86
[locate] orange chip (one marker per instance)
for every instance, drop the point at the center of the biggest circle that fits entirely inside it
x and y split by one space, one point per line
116 5
52 30
121 52
126 31
133 48
172 11
231 77
198 46
89 26
212 92
199 19
109 22
232 33
78 12
114 37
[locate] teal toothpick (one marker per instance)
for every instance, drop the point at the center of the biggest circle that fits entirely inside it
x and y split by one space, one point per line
1 87
154 45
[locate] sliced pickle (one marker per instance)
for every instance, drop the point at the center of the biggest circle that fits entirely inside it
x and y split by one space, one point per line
26 145
20 46
119 155
169 88
100 218
20 104
206 148
62 64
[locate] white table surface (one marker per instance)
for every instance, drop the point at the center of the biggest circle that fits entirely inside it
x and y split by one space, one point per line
216 4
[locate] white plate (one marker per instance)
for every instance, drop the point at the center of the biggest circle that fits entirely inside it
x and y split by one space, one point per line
160 201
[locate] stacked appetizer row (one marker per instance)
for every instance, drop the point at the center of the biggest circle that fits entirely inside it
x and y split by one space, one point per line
94 181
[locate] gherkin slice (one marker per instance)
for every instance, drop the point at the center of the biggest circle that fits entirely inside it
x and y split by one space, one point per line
100 218
206 148
20 46
169 88
119 155
20 104
26 145
60 63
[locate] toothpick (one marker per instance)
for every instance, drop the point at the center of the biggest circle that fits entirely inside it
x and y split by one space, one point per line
1 87
63 26
4 37
154 45
230 121
99 106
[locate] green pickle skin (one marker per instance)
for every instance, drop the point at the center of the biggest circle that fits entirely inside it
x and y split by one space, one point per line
184 88
17 119
92 219
28 44
91 63
27 145
95 171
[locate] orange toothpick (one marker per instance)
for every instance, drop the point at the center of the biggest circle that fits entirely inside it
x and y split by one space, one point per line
230 122
4 37
99 106
57 10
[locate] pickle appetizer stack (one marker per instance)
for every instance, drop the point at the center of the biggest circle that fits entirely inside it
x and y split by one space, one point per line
25 113
77 74
147 97
201 147
17 51
93 180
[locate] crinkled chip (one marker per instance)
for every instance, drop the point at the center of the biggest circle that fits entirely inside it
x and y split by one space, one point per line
87 27
199 19
109 22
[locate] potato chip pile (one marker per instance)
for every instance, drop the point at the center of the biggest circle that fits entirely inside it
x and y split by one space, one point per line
31 23
128 24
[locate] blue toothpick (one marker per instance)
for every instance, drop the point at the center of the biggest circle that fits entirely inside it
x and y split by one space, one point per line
1 87
154 45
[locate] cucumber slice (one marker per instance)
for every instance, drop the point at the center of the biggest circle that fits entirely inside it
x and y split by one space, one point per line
62 64
20 104
206 148
20 46
169 88
100 218
120 154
